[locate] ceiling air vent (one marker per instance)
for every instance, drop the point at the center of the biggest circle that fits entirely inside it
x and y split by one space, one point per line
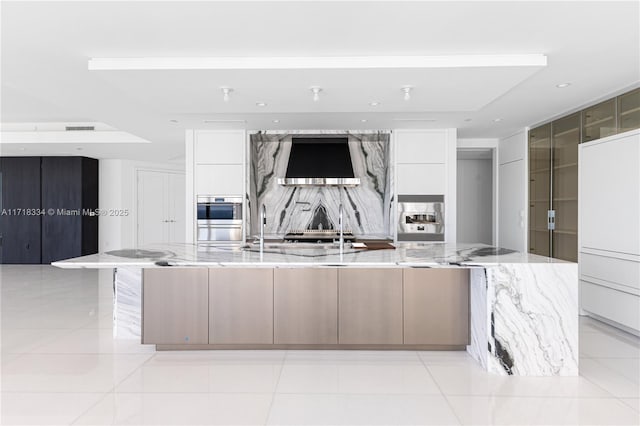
76 128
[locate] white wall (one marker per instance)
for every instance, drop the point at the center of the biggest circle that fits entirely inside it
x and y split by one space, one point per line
513 192
475 201
117 190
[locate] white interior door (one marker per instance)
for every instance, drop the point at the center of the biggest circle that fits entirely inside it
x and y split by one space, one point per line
152 211
176 208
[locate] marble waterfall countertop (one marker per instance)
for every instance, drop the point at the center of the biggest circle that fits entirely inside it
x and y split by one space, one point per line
292 255
523 307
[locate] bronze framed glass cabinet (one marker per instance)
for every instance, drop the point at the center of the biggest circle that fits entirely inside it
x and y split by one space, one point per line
540 190
553 188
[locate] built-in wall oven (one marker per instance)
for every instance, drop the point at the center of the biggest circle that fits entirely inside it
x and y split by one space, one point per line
219 219
420 217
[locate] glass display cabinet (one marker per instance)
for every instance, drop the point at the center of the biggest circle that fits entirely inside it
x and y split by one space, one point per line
629 111
539 190
599 121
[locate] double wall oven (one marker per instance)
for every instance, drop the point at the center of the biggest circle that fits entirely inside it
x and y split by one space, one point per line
219 219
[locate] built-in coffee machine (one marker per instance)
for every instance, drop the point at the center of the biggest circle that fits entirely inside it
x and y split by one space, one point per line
420 217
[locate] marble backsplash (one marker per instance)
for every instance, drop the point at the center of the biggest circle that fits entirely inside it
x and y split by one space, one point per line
367 207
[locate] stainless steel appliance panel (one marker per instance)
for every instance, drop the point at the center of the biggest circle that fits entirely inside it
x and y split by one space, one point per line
220 233
219 219
421 218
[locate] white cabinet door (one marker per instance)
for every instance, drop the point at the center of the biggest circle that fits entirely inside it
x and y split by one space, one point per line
160 213
219 179
421 146
152 207
421 179
610 195
220 147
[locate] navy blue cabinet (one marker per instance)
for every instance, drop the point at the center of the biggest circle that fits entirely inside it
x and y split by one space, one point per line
70 188
20 229
65 189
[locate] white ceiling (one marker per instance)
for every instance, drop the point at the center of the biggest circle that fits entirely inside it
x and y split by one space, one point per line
46 46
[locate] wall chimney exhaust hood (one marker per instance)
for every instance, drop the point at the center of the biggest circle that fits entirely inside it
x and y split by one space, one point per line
319 161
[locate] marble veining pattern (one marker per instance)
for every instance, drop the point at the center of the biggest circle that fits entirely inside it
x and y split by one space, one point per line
128 302
367 207
479 324
534 319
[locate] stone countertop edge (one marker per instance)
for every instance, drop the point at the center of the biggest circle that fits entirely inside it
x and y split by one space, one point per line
425 255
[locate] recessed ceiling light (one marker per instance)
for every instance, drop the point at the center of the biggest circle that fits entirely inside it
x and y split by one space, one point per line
563 85
261 104
497 120
23 149
364 120
173 120
276 120
374 103
79 149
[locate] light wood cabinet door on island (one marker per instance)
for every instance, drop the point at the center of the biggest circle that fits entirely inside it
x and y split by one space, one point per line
240 306
436 306
175 306
305 306
370 306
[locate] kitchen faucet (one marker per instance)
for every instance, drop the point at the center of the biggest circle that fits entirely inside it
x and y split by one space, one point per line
263 223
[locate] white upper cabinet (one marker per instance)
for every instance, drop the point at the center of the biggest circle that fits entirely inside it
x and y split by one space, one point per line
610 194
219 162
219 179
219 147
421 146
421 179
421 157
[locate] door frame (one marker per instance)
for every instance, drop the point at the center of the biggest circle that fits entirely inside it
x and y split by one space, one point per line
492 146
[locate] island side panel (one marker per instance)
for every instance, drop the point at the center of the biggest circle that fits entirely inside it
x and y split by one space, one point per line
127 285
175 306
480 321
305 306
534 319
436 306
370 306
241 306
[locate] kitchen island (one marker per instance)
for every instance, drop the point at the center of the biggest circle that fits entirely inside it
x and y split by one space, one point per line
515 313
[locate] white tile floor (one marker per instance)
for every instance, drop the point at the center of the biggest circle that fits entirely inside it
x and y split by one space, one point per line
62 365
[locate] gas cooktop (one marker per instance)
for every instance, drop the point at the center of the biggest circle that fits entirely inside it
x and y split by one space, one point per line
318 235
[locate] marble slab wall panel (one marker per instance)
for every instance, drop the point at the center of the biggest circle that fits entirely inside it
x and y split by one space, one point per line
367 207
533 319
128 303
479 320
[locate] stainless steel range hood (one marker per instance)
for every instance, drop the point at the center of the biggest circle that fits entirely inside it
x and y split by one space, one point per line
319 161
319 181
